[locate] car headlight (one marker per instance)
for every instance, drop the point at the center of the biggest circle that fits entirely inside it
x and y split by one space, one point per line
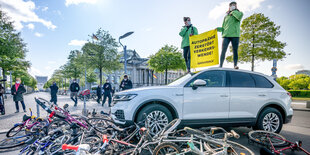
124 97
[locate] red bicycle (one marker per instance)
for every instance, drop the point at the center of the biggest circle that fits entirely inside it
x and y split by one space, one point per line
275 143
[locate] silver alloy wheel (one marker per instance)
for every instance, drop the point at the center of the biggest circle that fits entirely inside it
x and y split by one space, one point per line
157 120
271 122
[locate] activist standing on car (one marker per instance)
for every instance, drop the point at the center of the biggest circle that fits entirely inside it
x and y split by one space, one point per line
54 91
231 32
126 83
17 91
187 31
74 88
107 92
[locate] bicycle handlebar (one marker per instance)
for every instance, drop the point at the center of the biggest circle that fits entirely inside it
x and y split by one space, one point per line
234 134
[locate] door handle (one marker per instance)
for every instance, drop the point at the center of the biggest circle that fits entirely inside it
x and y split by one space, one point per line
262 95
223 95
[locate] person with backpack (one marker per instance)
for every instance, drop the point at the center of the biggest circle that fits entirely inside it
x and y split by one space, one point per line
74 88
231 32
17 91
54 91
187 31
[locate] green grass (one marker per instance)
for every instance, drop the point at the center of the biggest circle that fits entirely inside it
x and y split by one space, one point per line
301 98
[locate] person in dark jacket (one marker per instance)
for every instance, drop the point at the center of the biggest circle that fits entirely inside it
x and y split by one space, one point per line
107 88
17 91
54 91
74 88
126 83
99 93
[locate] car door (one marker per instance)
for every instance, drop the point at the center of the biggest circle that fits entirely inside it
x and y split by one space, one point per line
207 102
245 98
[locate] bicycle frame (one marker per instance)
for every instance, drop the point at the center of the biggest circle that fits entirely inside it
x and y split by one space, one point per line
296 145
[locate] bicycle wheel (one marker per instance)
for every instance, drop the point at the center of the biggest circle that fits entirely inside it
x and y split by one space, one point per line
165 148
15 141
16 130
100 123
237 149
93 141
57 143
56 123
265 137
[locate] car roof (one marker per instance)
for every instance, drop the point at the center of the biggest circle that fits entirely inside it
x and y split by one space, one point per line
237 70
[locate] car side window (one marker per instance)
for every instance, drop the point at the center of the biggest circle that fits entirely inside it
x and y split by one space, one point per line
241 79
212 78
261 82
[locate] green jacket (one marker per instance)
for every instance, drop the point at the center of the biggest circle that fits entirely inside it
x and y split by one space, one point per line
185 33
231 24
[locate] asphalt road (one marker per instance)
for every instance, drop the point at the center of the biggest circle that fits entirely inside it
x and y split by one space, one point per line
298 129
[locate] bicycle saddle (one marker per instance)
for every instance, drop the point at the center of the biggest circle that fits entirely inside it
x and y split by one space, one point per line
25 117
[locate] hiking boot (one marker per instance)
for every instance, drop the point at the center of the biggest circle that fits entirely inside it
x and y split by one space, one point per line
25 110
17 111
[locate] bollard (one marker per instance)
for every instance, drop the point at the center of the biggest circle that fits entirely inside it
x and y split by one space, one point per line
38 110
308 104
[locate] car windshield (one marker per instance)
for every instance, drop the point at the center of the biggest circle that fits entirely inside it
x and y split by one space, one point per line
181 79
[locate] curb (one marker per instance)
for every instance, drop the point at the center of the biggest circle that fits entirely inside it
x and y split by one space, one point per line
301 109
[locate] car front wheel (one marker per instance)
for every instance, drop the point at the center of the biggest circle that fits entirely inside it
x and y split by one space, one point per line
270 120
157 117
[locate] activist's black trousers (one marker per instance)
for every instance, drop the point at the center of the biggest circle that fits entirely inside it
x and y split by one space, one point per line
105 98
187 57
235 44
17 107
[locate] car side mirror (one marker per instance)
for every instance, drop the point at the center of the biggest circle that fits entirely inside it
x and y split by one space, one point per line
199 83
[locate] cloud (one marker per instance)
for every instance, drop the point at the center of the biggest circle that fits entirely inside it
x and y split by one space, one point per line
45 8
269 7
51 62
30 26
21 11
34 71
38 34
294 66
243 5
76 2
149 29
77 42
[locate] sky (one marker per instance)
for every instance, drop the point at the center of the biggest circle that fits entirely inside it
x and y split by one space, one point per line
52 28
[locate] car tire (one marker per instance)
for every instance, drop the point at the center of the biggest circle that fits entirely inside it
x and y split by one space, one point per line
152 111
270 119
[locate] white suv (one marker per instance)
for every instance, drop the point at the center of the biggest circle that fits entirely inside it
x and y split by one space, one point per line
216 96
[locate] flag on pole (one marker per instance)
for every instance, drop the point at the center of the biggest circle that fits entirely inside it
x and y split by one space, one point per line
95 37
154 76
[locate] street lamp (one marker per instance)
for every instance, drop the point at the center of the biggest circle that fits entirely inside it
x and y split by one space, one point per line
125 52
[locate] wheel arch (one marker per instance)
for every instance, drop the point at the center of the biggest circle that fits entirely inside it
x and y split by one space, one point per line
275 105
164 103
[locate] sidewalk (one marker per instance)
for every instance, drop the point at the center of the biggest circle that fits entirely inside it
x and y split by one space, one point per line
300 106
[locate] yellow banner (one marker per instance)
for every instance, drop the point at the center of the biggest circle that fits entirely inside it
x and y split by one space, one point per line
204 49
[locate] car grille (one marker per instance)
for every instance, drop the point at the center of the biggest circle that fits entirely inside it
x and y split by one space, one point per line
119 114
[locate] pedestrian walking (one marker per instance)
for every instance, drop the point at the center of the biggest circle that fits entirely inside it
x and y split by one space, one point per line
2 91
107 92
54 91
74 88
231 32
187 30
126 83
17 91
99 93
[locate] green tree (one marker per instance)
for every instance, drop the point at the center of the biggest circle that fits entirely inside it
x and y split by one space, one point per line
258 40
74 66
102 53
299 81
284 82
167 58
12 48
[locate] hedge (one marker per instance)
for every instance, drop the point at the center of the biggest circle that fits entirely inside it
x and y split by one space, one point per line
300 93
